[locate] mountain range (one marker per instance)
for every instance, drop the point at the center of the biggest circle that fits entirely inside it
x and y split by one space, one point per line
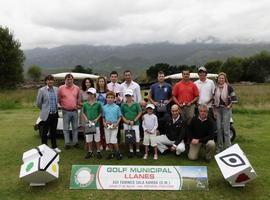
137 57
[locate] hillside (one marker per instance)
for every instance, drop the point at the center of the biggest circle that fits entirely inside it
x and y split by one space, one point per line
136 57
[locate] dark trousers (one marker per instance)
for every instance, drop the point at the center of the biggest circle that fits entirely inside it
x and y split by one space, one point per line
49 125
162 118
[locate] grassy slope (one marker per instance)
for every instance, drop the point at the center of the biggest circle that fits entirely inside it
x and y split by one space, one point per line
17 136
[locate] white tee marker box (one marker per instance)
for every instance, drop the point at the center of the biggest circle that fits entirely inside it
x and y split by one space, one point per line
40 166
235 167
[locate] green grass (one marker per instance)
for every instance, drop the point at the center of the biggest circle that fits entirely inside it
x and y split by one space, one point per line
17 135
18 114
14 99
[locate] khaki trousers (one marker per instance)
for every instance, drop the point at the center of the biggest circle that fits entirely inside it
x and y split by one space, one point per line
194 150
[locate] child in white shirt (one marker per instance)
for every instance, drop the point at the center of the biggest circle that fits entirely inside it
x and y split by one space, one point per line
150 125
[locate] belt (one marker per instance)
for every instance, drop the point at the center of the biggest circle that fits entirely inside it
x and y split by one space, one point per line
53 113
69 110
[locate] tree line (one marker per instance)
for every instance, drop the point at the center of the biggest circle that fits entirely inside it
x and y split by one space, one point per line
255 68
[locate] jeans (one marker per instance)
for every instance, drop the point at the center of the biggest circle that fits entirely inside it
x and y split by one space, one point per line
223 116
70 117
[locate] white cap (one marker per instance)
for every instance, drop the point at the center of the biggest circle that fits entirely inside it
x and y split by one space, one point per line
92 91
202 68
128 92
150 106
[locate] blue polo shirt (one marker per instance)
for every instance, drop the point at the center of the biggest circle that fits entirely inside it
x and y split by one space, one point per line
161 93
111 112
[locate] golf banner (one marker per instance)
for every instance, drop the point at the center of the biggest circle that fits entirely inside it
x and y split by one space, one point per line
138 177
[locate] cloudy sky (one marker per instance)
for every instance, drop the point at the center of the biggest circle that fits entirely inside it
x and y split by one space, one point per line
51 23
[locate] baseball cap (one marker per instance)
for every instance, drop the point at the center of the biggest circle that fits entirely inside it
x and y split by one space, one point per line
150 106
92 91
128 92
202 68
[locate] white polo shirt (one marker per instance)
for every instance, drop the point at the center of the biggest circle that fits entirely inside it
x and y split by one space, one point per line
206 91
116 88
136 91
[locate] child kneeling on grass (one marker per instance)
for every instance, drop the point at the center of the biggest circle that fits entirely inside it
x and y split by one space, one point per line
131 114
91 113
150 125
111 119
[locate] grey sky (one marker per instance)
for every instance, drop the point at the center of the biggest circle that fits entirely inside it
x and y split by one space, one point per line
52 23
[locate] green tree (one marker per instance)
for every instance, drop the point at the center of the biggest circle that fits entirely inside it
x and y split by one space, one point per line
153 70
213 66
81 69
233 68
11 60
34 72
257 67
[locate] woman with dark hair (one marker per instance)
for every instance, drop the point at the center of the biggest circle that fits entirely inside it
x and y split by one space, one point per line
86 84
101 86
224 97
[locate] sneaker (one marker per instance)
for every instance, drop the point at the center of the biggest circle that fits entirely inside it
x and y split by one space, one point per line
76 145
155 157
110 156
57 150
119 156
177 153
99 156
130 155
145 156
67 146
88 155
138 154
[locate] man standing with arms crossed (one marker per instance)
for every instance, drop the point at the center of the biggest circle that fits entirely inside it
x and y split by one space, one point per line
186 94
69 100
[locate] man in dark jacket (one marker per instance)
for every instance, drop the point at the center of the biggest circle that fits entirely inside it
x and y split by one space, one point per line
201 134
175 132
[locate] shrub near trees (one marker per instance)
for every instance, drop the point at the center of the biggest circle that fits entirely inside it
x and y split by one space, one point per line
81 69
34 72
11 60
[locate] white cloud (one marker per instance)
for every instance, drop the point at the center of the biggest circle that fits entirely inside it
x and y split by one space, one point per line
119 22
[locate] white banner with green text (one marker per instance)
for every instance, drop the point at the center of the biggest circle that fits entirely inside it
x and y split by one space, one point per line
138 177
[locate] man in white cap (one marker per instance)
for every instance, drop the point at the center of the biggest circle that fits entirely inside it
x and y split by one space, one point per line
206 89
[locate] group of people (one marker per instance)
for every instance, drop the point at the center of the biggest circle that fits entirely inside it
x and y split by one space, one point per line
181 118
